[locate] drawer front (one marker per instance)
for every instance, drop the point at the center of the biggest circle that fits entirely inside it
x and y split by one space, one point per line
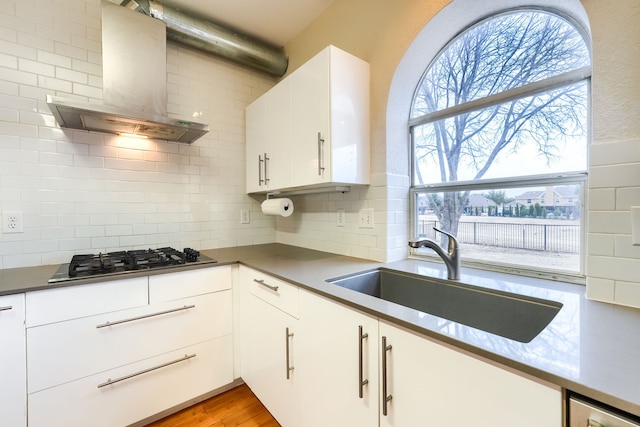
82 403
66 351
184 284
280 294
59 304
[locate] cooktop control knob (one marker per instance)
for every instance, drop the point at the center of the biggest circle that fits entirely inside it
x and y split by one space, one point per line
191 254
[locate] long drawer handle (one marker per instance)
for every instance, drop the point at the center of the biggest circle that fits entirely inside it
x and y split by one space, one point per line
133 319
9 307
260 162
290 368
361 381
385 397
261 282
126 377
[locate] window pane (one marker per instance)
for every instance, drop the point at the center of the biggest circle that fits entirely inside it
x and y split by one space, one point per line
531 226
541 134
501 53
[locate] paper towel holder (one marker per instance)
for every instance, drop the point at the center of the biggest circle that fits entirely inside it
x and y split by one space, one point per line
336 189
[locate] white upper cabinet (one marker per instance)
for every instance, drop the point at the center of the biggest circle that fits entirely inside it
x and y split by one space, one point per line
331 120
268 128
311 129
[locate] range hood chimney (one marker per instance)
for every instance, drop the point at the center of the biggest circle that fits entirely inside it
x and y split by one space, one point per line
134 83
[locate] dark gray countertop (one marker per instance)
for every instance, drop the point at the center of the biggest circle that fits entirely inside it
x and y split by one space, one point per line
590 347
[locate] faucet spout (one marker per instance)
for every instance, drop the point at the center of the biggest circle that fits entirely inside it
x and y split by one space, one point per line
451 258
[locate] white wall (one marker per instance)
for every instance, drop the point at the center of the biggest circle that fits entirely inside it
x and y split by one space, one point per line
86 192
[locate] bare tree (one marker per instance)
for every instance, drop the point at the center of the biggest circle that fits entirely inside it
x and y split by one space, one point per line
495 56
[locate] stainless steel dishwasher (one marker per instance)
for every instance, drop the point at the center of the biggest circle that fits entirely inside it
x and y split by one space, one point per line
584 413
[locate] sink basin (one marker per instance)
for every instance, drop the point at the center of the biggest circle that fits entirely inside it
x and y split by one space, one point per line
517 317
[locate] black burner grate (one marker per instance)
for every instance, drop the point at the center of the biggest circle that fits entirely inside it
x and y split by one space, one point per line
114 262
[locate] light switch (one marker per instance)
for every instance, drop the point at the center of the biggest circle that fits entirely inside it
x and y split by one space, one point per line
635 225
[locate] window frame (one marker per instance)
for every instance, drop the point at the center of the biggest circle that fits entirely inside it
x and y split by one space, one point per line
582 74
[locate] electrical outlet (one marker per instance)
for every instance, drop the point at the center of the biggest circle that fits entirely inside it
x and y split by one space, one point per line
365 218
244 216
341 218
12 222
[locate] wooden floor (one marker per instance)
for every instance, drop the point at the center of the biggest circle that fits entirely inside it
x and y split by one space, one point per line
237 407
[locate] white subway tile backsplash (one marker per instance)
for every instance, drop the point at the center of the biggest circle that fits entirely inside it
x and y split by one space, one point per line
73 52
614 176
8 61
615 268
627 293
627 197
9 115
624 248
49 58
614 153
616 222
613 263
600 289
601 244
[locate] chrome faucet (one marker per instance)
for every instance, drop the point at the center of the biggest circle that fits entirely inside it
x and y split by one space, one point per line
451 258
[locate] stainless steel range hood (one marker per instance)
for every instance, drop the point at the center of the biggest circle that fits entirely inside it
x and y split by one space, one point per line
133 83
107 119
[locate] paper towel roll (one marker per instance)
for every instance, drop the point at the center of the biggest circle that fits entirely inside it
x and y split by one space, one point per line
283 207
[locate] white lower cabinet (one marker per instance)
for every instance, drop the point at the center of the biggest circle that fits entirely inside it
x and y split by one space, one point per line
270 344
352 369
146 388
170 343
428 383
338 358
13 391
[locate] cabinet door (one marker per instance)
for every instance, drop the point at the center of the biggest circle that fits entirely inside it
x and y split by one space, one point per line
13 391
431 384
338 349
255 144
277 166
331 98
310 99
268 139
267 354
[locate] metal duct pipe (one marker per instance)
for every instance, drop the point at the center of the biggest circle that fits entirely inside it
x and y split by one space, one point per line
221 41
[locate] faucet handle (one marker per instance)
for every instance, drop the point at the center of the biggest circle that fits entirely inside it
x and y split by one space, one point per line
451 236
452 245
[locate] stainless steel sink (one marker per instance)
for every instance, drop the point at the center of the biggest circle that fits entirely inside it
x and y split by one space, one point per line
517 317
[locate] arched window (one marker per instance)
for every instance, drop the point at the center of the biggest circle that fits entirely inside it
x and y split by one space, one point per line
499 140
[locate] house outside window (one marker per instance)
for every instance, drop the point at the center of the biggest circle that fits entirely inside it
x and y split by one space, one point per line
498 132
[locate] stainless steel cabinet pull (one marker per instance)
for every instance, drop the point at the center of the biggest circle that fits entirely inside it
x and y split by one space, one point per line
9 307
361 382
266 169
261 282
132 319
591 423
385 398
260 161
289 367
126 377
320 154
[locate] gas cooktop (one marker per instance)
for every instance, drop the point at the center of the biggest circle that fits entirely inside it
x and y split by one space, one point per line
83 266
